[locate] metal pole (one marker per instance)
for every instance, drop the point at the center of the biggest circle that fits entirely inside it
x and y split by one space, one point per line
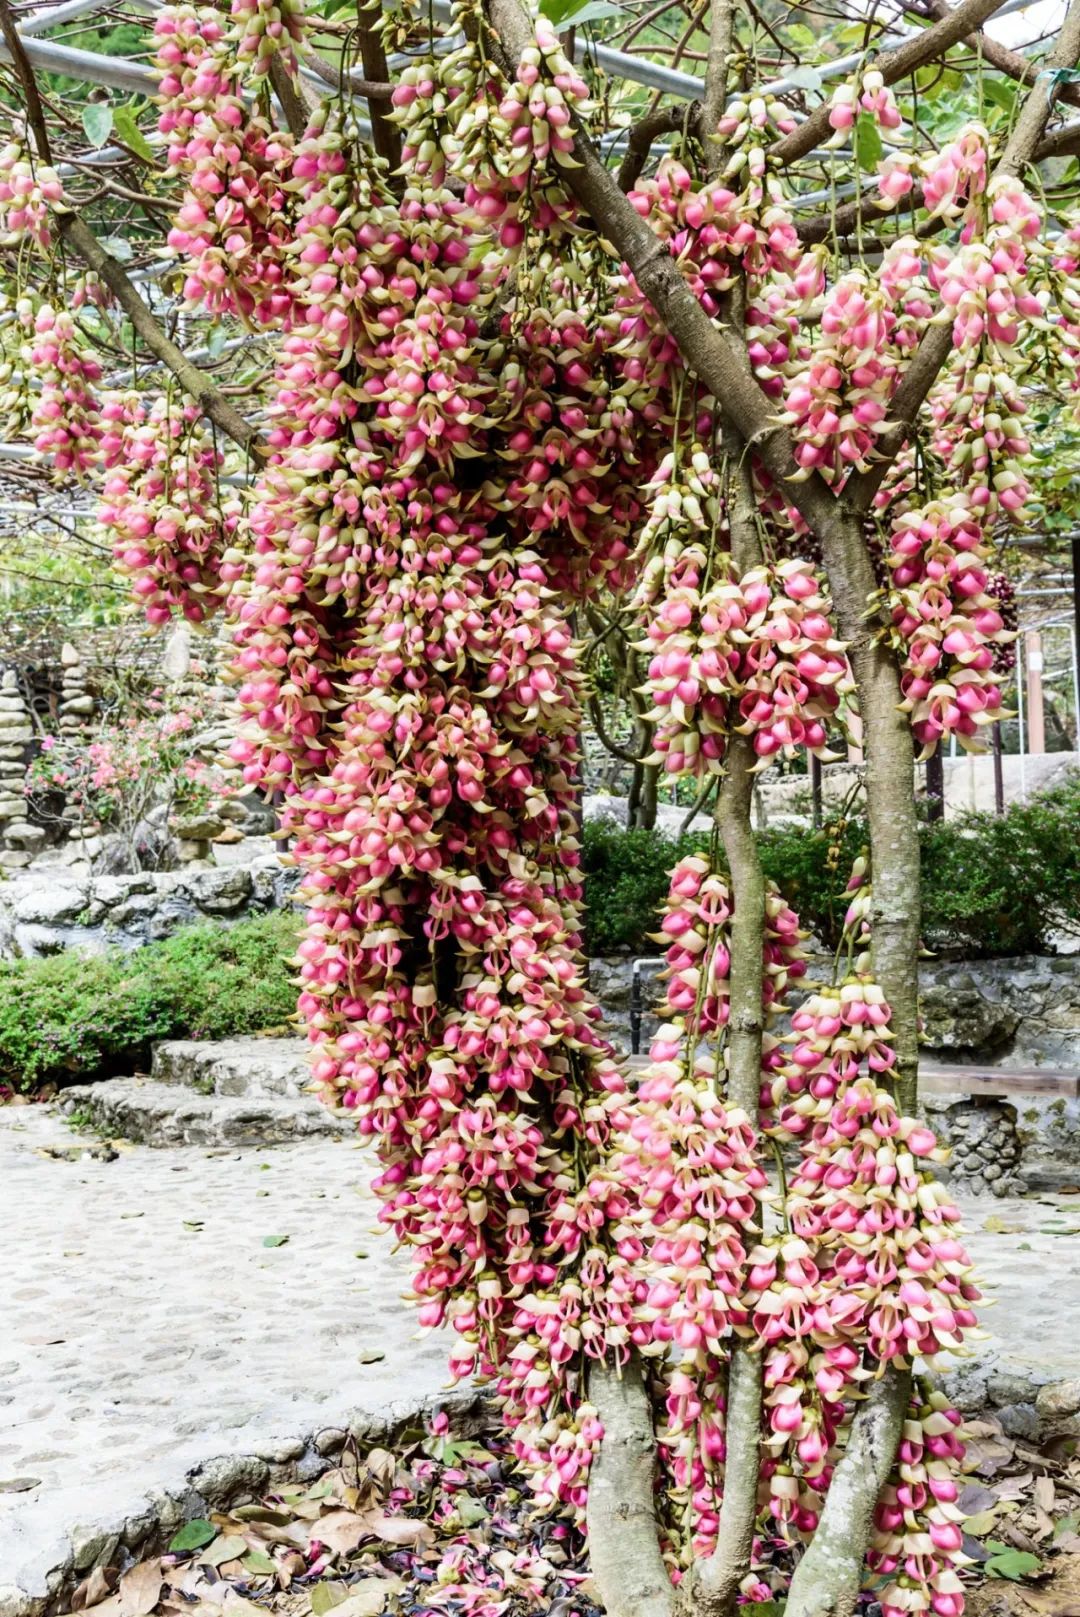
815 790
999 775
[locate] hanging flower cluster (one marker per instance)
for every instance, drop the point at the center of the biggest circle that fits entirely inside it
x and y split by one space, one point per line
869 94
28 189
949 626
232 227
66 413
162 507
756 655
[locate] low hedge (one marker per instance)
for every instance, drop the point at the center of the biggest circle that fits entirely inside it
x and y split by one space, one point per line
992 886
84 1015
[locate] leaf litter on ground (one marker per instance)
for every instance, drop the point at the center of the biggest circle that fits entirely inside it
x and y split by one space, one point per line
439 1527
436 1528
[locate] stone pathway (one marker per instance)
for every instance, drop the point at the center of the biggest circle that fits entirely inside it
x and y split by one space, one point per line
161 1344
146 1328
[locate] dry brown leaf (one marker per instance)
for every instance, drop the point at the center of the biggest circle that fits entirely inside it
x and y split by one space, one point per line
381 1465
1044 1493
341 1530
369 1598
235 1605
397 1529
94 1588
140 1589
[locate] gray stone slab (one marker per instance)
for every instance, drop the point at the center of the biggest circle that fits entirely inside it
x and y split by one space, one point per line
155 1353
254 1067
157 1114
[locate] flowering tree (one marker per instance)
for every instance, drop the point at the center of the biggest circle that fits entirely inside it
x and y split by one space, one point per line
506 379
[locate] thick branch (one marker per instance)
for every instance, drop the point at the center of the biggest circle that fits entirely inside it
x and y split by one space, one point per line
892 65
385 135
621 1513
290 95
663 121
721 34
82 240
1011 63
827 1579
718 1580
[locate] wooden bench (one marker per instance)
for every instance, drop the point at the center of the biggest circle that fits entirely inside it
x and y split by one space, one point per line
996 1082
992 1082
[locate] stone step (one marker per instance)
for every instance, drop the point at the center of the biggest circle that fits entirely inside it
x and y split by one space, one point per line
252 1067
165 1114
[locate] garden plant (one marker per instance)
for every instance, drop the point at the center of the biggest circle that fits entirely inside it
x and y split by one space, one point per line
510 380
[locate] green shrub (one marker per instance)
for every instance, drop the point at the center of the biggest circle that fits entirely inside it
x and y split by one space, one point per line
88 1015
991 886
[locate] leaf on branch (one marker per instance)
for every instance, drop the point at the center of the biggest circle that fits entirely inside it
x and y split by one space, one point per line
97 121
128 131
806 78
575 13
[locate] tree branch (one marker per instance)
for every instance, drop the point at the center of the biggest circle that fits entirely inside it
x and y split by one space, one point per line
936 345
721 35
892 65
291 96
1011 63
827 1580
82 240
717 1583
624 1545
385 135
664 121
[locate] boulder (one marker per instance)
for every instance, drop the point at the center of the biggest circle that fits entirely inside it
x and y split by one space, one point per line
219 892
957 1017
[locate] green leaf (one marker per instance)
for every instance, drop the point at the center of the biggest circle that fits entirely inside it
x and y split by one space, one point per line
193 1535
120 249
806 78
999 93
132 136
324 1596
574 13
275 1240
1012 1564
471 1512
97 120
868 147
215 347
229 1547
257 1561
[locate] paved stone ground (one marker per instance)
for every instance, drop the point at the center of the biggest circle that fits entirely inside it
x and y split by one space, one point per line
146 1329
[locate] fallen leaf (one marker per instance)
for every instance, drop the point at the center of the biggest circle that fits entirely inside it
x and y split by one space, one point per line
20 1484
192 1536
326 1595
140 1589
372 1356
399 1530
340 1530
1012 1564
369 1598
226 1547
257 1561
94 1589
981 1523
275 1240
1044 1493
